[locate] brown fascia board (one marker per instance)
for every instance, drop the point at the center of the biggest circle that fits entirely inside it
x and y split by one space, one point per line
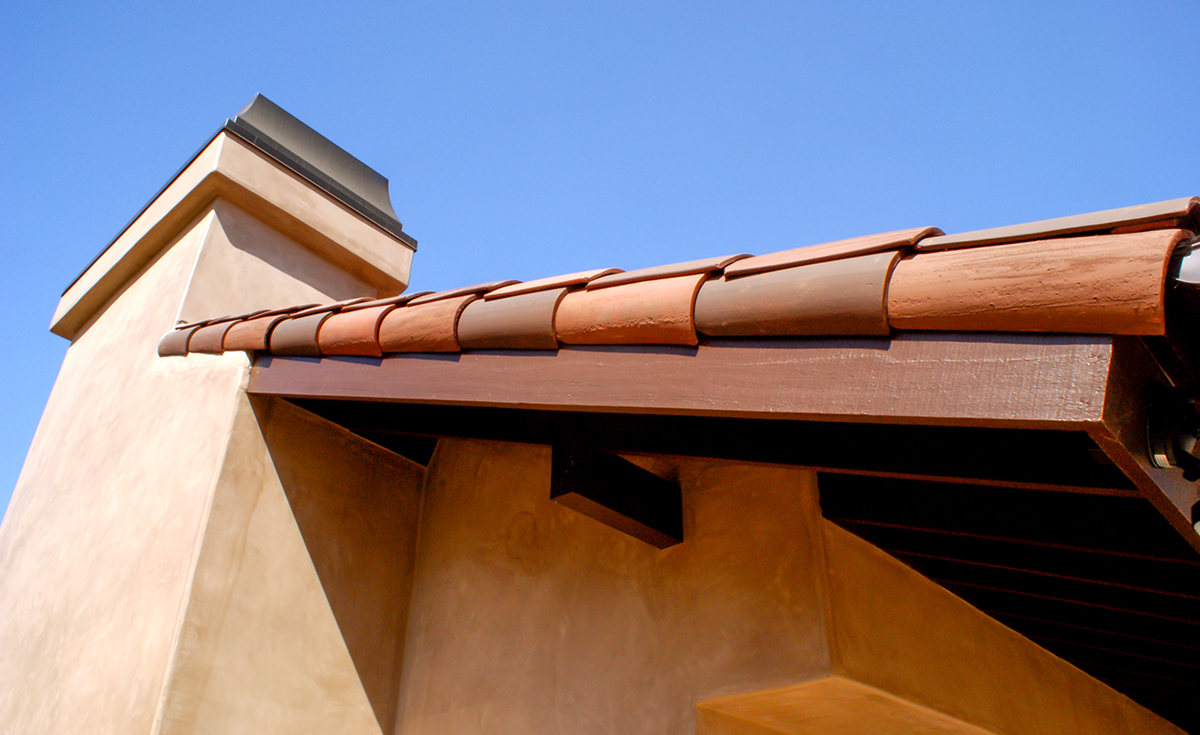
956 379
230 168
1090 383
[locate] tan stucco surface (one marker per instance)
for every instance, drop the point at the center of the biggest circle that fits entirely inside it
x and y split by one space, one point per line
527 617
261 649
98 543
357 507
829 706
897 631
101 537
245 266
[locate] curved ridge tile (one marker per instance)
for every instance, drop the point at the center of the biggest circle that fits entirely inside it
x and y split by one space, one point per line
353 332
297 335
704 265
323 308
836 250
545 284
424 327
254 333
390 301
658 311
210 339
836 297
175 342
1102 284
521 322
464 291
1124 217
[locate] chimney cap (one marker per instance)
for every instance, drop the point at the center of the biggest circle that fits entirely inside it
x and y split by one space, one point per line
277 133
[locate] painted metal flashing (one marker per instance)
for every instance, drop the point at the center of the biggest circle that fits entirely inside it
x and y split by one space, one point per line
283 137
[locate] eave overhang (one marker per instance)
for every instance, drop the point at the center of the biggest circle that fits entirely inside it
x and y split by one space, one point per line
1089 387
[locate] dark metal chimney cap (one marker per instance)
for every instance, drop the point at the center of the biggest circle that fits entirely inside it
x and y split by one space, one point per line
274 131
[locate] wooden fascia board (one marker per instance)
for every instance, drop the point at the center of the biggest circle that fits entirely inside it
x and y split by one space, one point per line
1122 435
995 380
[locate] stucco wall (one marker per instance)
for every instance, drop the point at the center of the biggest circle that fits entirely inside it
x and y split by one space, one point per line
527 617
98 543
100 540
296 615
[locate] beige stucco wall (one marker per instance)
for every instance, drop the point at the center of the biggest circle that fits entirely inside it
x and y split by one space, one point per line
245 266
295 621
100 540
530 618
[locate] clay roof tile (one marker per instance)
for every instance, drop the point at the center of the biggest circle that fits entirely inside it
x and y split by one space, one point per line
1173 213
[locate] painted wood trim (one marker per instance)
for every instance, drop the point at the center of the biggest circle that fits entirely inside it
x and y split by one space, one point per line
1017 381
1122 436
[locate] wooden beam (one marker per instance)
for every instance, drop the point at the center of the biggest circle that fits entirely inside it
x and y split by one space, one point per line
1122 435
618 493
1014 381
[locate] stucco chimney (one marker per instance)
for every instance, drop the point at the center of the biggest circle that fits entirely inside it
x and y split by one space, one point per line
277 205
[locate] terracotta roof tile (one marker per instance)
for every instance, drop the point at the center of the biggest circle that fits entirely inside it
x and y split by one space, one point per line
837 297
1174 210
297 335
707 265
209 339
325 308
481 288
545 284
254 333
175 342
1112 283
353 331
390 301
424 326
831 251
521 322
658 311
1108 284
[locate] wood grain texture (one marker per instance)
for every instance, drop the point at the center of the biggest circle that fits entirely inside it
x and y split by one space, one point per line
647 312
522 322
427 327
1091 222
1106 284
830 251
1019 381
705 265
839 297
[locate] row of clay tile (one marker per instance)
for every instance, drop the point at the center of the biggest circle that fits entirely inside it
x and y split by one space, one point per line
1110 284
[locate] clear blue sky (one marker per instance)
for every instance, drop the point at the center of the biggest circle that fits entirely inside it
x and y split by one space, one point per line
524 140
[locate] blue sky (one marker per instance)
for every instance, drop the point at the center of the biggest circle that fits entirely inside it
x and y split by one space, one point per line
528 139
